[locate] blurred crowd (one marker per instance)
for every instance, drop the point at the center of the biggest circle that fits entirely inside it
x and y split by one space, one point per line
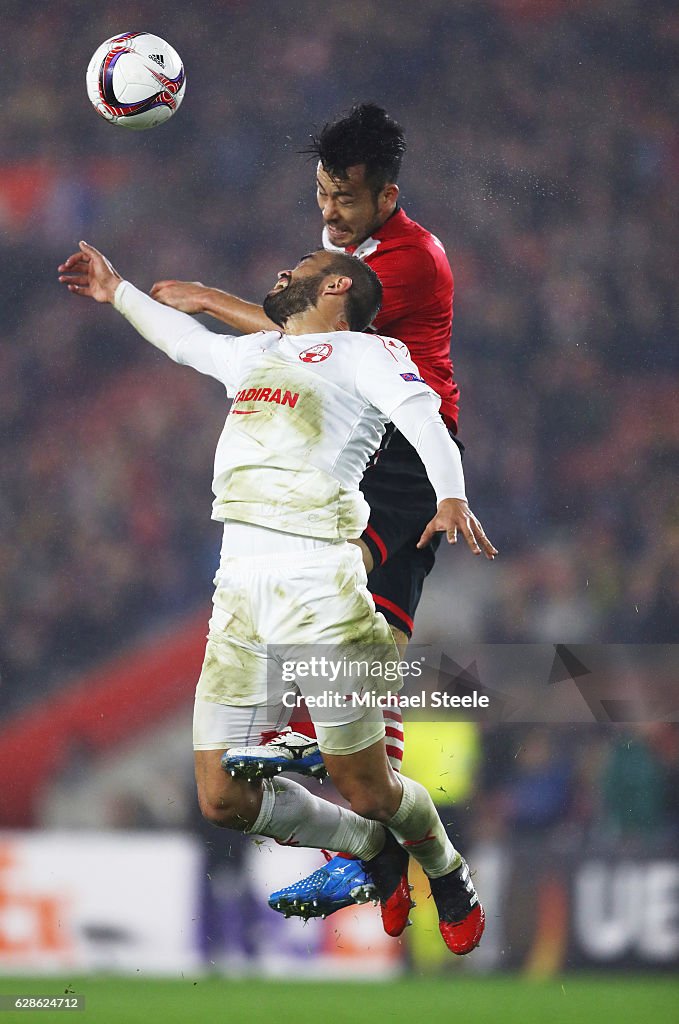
614 787
543 151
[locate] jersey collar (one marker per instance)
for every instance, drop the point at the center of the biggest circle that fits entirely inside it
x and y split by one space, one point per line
393 226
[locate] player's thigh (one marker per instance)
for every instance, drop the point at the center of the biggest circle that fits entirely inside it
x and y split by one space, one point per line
365 778
366 554
401 639
356 757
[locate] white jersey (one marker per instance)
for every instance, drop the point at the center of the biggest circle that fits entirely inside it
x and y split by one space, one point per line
308 412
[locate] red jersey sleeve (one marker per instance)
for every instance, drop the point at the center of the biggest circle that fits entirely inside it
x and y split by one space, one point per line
408 275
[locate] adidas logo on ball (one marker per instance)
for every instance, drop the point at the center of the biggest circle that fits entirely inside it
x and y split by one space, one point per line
158 58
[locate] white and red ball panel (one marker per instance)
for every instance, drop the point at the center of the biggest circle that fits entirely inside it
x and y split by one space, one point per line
136 80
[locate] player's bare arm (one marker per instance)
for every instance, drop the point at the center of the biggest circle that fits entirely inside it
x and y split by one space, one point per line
88 273
194 297
454 514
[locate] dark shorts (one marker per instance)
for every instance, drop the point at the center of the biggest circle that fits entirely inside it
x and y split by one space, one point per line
402 501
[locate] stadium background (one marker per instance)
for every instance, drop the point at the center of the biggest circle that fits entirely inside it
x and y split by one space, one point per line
543 150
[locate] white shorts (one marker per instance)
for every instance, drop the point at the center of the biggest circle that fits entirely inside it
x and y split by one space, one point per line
219 726
273 608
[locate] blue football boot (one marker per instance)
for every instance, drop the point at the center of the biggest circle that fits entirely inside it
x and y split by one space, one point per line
340 883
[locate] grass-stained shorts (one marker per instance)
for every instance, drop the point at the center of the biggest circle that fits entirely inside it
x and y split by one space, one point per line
283 624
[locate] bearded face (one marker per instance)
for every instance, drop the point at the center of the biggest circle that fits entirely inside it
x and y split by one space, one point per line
286 300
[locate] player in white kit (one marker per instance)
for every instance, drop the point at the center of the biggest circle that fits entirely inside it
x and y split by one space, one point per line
309 408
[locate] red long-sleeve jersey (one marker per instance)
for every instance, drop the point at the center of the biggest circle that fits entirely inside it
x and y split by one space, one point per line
417 302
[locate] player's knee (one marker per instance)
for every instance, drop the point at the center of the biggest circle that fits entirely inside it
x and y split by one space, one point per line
222 808
374 794
370 802
369 807
217 812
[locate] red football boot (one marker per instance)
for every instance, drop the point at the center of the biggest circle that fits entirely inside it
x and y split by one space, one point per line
389 871
461 916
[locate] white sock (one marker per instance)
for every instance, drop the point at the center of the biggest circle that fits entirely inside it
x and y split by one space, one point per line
420 831
292 815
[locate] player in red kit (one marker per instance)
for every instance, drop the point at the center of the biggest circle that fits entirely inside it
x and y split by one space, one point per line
359 159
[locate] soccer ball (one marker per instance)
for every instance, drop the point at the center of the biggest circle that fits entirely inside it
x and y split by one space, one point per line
136 80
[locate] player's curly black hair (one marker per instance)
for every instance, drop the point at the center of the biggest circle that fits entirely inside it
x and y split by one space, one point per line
366 135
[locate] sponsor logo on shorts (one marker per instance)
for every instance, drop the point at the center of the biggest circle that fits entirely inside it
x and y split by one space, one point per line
412 376
316 354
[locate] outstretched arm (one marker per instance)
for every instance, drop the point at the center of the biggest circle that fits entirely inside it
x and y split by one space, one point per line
194 297
89 274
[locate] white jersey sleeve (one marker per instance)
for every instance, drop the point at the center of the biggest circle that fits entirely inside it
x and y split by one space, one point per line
386 376
181 337
419 422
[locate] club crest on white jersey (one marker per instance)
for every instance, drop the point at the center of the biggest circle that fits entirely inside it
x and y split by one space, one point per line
316 354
